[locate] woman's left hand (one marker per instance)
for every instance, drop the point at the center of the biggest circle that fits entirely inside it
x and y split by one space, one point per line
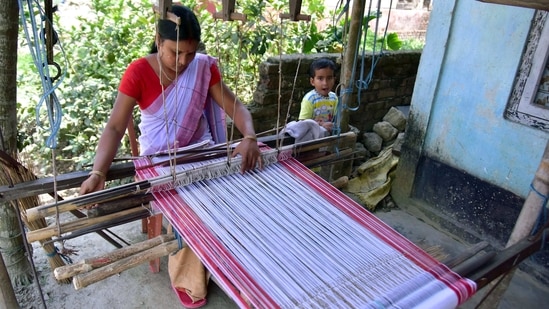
251 156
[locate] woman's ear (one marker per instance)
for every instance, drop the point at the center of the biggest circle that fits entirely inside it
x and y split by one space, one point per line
157 40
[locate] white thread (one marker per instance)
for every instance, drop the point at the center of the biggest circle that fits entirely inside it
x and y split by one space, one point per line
224 206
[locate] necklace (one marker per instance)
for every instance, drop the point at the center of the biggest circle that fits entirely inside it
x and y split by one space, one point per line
162 72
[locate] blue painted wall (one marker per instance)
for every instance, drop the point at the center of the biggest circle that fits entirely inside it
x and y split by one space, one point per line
464 81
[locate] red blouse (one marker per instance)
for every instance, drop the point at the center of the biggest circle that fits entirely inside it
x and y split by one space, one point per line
141 82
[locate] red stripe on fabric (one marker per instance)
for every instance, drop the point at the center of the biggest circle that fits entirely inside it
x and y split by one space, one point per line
208 247
216 255
460 286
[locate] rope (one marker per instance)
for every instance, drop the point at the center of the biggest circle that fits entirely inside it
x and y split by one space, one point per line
364 81
287 116
220 66
279 141
542 220
37 46
40 49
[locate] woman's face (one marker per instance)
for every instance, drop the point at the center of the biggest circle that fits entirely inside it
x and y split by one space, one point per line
176 56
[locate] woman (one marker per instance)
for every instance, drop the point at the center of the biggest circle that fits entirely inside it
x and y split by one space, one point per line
182 99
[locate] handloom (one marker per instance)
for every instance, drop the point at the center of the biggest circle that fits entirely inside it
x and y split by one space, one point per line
282 237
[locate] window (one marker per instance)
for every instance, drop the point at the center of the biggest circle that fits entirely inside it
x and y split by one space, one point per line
529 102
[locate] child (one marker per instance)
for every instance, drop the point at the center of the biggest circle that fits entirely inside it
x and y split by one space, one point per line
320 103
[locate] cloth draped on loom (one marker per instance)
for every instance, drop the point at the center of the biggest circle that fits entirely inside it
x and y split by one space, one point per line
282 237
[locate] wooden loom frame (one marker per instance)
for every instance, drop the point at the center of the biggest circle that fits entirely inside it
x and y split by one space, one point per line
481 268
126 207
505 261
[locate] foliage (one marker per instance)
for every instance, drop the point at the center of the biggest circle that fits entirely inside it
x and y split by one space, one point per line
98 48
102 43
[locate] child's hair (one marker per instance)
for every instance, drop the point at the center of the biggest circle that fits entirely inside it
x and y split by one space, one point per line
189 29
321 63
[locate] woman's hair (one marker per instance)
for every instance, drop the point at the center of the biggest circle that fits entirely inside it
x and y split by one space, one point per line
189 28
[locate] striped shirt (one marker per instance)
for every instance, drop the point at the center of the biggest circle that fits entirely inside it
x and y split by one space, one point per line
317 107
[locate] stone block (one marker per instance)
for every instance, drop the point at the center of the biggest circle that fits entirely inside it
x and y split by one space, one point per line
396 118
372 141
385 130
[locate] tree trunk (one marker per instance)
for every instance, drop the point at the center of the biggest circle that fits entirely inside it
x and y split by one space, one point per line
7 296
11 240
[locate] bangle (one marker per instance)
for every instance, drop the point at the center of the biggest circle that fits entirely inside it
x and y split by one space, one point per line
252 137
98 173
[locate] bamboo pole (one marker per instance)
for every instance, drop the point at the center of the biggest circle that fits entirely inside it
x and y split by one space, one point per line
87 200
67 227
357 14
87 265
119 205
85 279
528 216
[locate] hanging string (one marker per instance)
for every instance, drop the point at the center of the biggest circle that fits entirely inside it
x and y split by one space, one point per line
346 92
39 49
296 75
542 219
220 66
171 149
36 40
364 81
238 71
279 45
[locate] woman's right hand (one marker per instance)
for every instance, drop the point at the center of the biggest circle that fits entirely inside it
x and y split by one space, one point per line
92 184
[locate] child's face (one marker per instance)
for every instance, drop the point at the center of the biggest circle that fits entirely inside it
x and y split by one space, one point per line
323 81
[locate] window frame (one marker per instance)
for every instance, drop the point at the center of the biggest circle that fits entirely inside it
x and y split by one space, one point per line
521 107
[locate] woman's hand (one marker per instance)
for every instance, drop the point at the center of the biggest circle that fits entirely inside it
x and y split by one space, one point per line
92 184
251 156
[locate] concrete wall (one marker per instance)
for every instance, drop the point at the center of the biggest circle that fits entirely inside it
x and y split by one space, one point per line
458 144
392 85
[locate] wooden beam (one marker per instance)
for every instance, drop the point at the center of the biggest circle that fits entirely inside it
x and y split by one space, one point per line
74 179
86 224
295 12
506 260
163 9
86 265
532 4
63 182
227 12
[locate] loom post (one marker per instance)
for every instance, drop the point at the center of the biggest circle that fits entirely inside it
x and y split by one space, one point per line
163 9
164 6
227 12
526 221
295 12
349 55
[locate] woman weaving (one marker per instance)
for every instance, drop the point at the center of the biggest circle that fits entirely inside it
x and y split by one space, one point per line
179 91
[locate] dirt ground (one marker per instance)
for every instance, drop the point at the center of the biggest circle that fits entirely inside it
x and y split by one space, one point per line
139 288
